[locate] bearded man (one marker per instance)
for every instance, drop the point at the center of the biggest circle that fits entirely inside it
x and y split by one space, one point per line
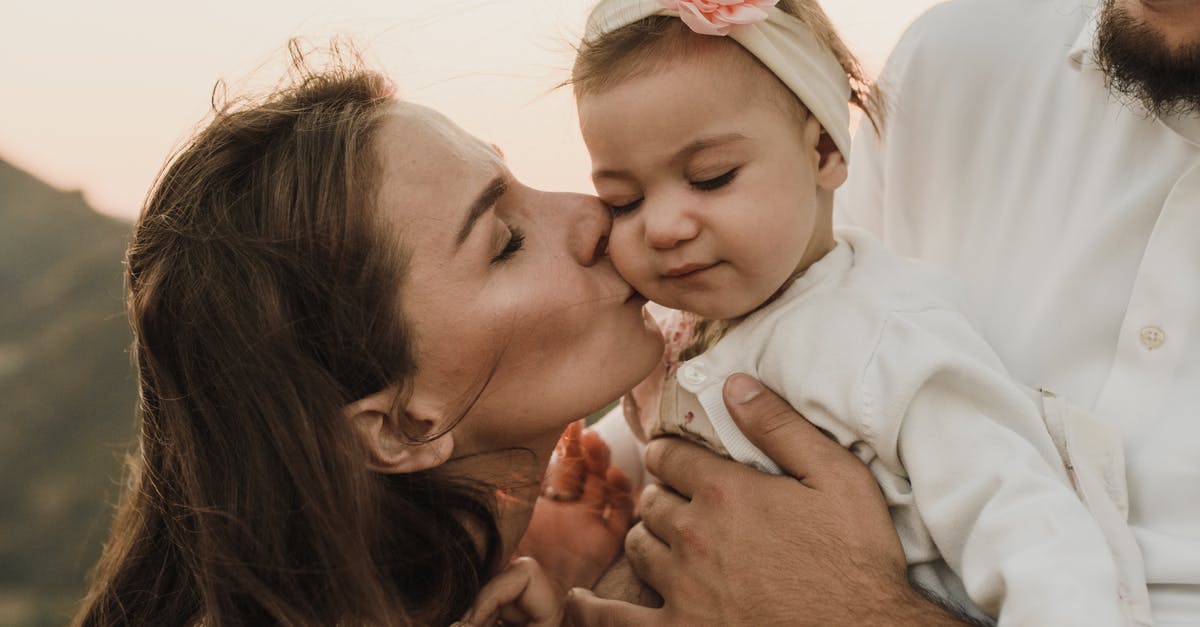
1048 152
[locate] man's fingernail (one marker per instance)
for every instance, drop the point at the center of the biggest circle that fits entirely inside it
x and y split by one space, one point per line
743 388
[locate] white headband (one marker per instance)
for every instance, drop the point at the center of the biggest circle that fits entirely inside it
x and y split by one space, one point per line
781 42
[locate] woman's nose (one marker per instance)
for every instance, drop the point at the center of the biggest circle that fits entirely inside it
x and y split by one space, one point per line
668 226
588 224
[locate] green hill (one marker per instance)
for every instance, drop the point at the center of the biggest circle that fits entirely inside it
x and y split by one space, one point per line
66 393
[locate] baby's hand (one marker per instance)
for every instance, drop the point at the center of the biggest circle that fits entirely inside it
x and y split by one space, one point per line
521 594
579 523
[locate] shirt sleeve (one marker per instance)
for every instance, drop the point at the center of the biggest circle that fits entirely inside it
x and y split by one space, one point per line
985 475
862 200
859 202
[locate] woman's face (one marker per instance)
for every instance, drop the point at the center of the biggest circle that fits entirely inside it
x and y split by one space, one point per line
520 322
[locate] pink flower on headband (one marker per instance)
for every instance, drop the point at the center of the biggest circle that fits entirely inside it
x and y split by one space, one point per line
718 17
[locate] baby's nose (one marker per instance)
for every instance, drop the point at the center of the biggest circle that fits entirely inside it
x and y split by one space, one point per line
669 227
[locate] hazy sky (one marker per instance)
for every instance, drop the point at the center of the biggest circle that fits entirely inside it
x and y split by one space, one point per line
96 94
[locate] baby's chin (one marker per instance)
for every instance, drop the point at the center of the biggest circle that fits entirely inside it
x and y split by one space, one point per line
709 307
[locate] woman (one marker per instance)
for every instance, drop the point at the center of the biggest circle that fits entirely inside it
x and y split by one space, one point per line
353 330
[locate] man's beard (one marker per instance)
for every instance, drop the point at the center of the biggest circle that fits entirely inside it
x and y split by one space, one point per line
1141 65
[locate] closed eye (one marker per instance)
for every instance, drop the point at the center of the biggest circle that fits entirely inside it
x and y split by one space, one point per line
516 241
715 183
620 210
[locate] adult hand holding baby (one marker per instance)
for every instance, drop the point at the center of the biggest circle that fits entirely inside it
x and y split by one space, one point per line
725 544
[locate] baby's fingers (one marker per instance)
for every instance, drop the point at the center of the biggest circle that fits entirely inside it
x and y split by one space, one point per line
619 509
521 594
566 474
595 452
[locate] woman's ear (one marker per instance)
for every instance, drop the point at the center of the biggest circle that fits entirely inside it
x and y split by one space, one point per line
385 435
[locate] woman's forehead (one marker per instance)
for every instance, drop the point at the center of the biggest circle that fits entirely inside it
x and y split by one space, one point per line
429 163
426 131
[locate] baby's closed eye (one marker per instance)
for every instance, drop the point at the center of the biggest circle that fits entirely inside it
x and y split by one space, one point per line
716 182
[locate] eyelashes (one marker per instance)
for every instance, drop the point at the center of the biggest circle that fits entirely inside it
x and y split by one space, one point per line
516 241
706 185
716 182
620 210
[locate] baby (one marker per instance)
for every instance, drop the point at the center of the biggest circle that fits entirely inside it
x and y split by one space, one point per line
718 132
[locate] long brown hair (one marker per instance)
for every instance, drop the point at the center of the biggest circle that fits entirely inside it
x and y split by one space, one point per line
263 297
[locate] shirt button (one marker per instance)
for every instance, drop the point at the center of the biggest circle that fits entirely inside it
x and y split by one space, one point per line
1153 337
694 374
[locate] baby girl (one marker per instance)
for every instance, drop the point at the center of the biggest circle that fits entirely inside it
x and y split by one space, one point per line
718 132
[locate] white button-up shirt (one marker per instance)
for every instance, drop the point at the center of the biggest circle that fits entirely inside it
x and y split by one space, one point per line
874 350
1074 218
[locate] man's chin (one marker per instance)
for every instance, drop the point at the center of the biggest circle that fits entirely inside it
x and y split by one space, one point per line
1141 65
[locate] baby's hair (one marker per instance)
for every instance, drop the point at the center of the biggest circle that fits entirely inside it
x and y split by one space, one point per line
646 45
650 44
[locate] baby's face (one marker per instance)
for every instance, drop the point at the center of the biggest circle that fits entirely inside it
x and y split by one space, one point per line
711 181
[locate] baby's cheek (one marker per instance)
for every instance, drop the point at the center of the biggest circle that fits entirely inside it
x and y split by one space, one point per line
627 256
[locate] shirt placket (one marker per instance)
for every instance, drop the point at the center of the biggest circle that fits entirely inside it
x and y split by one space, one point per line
1163 314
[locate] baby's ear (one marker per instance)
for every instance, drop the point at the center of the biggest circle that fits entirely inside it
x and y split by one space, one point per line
387 434
831 164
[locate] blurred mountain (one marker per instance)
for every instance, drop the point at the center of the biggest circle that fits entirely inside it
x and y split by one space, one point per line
66 393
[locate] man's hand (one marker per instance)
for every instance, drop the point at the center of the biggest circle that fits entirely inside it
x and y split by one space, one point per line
727 545
581 518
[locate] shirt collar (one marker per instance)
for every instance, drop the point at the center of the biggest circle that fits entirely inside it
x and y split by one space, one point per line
1187 127
1081 54
833 266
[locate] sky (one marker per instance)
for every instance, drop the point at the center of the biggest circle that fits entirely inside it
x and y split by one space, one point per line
96 95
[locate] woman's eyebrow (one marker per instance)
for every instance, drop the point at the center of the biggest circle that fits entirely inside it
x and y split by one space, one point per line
488 198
